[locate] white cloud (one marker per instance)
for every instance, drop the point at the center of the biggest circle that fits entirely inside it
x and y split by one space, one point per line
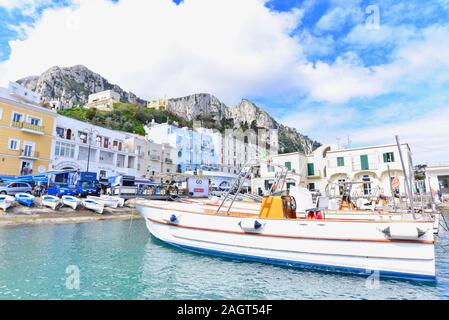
423 60
343 12
154 48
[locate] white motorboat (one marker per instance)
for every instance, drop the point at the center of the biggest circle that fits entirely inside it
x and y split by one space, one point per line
70 201
51 201
120 201
6 202
107 202
93 205
400 248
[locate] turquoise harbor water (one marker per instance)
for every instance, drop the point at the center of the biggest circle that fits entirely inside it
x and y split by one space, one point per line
119 260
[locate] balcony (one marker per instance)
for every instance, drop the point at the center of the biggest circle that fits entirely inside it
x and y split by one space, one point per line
155 158
29 154
28 127
168 161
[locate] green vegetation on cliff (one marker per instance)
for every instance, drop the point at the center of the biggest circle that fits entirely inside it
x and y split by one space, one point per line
124 117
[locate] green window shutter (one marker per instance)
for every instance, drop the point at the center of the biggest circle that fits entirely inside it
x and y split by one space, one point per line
364 162
288 165
385 157
310 169
341 161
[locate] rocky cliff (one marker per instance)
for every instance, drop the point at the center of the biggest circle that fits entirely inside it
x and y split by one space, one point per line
245 115
73 85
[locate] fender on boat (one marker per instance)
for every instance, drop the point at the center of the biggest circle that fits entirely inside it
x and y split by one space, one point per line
403 232
170 217
251 225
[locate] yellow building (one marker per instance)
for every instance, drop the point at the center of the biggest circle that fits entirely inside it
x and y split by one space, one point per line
160 104
26 132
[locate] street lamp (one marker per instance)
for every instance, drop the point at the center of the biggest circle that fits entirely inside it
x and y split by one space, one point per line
88 133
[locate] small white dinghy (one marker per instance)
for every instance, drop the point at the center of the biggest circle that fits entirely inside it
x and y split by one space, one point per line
51 201
93 205
6 202
69 201
121 201
108 202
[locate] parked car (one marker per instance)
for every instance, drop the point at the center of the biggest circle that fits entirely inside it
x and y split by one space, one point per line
61 189
12 188
88 188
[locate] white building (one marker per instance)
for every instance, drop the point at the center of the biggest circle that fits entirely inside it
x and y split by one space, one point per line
190 149
103 100
57 105
371 167
111 152
438 178
209 150
295 162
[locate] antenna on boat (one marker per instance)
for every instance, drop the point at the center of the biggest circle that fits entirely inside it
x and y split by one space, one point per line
408 183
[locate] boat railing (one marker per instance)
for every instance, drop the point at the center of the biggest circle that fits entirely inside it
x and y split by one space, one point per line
244 173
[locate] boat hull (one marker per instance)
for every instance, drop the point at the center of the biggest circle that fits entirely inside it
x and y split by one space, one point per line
94 206
352 247
6 202
51 202
107 202
70 201
25 199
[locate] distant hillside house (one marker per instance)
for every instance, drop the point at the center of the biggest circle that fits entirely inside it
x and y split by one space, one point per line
57 105
103 100
160 104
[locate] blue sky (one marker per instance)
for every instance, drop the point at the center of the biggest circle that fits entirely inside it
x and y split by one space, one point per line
329 68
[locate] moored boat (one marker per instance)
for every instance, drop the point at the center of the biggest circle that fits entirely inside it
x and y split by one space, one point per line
51 201
70 201
107 202
120 201
6 202
402 247
93 205
25 199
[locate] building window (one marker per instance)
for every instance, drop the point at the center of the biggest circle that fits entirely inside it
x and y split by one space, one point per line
364 164
16 117
366 185
341 161
34 121
311 186
13 144
64 150
388 157
310 169
270 168
288 165
60 132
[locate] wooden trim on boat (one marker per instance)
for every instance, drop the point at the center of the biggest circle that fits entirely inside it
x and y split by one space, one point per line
287 236
244 214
